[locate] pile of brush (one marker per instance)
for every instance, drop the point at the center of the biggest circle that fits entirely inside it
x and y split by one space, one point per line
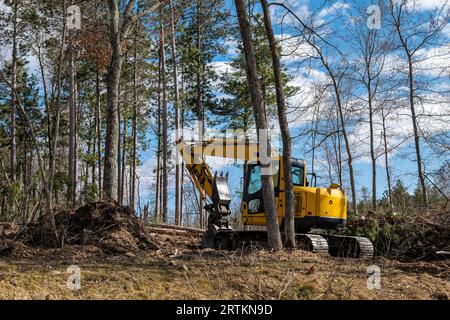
416 235
105 224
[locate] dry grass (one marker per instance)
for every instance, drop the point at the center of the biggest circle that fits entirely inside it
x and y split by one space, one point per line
207 274
129 260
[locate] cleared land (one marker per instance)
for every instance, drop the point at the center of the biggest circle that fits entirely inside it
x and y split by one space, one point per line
120 257
206 274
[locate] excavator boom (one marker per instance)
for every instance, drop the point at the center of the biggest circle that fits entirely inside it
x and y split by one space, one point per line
193 154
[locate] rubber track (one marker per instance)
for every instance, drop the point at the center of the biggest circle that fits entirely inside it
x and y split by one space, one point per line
366 247
335 245
312 242
349 246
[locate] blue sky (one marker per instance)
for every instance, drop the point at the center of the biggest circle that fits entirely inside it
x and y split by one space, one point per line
402 161
337 14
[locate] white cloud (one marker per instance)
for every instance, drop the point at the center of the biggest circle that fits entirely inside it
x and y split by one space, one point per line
221 68
433 61
293 49
4 8
147 176
232 46
433 116
300 8
446 30
428 4
334 8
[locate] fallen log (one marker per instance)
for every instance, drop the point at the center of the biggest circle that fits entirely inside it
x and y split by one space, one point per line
171 232
178 228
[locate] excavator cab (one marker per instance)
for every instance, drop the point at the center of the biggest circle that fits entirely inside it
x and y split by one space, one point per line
252 207
320 208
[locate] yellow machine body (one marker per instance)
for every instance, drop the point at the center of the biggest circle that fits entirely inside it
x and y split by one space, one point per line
324 208
314 207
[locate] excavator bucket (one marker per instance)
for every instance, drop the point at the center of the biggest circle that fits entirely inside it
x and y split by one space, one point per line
218 209
221 192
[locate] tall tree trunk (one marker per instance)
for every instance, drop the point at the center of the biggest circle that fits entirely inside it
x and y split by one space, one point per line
119 155
416 132
98 122
199 107
372 145
93 142
410 51
164 119
340 111
349 153
314 129
13 155
386 160
77 112
86 171
183 108
337 145
158 151
72 124
25 181
52 164
273 230
178 215
124 159
158 184
48 115
161 187
182 165
119 30
289 225
134 130
115 71
199 110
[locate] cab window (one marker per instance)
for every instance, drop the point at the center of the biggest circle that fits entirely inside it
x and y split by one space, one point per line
298 176
254 184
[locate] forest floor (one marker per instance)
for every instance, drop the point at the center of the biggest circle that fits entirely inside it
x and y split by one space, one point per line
208 274
171 266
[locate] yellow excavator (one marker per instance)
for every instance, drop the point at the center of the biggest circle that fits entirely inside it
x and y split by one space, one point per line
314 207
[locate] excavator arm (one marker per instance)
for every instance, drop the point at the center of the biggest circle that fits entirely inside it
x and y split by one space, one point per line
194 152
214 187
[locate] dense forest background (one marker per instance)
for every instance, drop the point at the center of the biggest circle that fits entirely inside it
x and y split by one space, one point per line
92 92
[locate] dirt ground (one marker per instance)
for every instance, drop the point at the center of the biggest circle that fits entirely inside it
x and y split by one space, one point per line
119 256
208 274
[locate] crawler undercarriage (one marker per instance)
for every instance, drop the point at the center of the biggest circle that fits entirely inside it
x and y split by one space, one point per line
335 245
